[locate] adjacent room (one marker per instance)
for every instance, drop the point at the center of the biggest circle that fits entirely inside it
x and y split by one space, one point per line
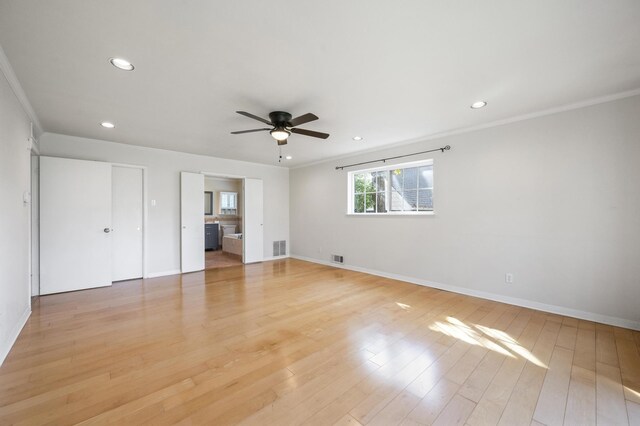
319 213
222 222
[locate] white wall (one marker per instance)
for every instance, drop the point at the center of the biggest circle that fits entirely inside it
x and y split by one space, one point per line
163 185
15 179
554 200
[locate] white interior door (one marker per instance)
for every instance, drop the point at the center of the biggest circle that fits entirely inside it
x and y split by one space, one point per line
253 214
75 224
192 221
127 216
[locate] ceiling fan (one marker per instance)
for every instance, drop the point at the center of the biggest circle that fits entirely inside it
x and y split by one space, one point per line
283 125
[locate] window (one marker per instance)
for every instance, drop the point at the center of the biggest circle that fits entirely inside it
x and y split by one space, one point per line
228 203
399 189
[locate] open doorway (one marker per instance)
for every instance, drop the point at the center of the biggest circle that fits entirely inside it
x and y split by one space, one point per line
243 213
223 199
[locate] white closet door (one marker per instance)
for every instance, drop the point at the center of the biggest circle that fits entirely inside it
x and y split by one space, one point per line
192 221
127 223
75 224
253 214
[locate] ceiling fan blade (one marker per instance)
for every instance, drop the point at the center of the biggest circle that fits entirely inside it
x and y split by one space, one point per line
249 131
310 133
255 117
282 142
303 119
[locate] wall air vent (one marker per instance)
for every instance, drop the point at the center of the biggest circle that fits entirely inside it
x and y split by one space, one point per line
336 258
280 248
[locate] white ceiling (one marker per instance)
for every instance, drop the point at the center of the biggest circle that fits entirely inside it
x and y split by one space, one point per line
389 71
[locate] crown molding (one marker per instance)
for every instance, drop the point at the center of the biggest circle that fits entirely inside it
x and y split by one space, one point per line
14 83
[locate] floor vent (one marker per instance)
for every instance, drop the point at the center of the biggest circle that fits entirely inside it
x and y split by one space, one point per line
335 258
280 248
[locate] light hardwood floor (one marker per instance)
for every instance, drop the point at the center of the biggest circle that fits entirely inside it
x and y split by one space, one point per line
220 259
291 342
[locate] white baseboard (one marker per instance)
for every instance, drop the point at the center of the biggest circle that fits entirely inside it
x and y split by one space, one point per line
164 273
8 344
554 309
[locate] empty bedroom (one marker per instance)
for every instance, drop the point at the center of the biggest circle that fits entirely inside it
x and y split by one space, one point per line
320 213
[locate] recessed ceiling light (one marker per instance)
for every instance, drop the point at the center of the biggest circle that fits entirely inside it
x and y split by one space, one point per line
107 125
478 104
357 138
122 64
288 157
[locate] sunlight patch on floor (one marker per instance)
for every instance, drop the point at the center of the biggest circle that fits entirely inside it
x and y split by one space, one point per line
633 392
490 338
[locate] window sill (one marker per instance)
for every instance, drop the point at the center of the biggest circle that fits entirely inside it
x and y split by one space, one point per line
392 214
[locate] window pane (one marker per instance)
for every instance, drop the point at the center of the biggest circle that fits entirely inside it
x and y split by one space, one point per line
370 203
425 199
358 203
426 177
380 198
358 183
396 179
381 181
396 201
369 182
410 199
411 178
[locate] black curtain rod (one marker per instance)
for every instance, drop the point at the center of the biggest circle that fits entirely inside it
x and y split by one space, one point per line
384 160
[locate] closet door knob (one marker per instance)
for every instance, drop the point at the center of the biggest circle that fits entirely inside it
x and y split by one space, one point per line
106 230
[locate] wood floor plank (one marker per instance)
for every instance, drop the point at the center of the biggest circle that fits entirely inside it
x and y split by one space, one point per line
456 412
633 412
347 420
522 402
629 362
491 406
430 407
553 395
610 402
567 337
585 349
292 342
606 351
581 401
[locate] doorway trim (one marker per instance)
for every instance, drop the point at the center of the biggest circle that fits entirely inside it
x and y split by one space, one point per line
244 194
34 179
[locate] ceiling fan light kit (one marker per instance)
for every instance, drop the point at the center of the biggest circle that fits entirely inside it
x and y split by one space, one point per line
280 134
283 125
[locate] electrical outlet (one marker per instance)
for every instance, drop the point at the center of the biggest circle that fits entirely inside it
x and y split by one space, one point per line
508 278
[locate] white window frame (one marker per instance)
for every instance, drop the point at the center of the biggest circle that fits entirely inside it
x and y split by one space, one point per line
350 189
232 206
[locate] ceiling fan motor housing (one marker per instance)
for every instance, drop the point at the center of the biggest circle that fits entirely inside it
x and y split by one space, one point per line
280 118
